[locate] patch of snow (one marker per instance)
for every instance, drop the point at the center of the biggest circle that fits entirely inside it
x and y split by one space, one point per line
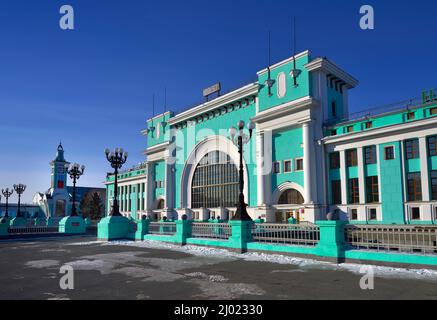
40 264
303 263
86 243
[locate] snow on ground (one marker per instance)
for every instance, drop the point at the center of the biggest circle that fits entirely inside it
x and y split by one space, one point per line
379 271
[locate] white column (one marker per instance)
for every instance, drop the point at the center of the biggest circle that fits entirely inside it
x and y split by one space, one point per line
424 171
168 185
308 151
343 177
259 167
267 166
361 179
149 187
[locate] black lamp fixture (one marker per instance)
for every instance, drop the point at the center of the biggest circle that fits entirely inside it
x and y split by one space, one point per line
239 138
269 82
295 72
116 158
75 171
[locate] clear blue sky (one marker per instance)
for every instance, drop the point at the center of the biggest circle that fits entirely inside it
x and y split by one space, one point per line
92 87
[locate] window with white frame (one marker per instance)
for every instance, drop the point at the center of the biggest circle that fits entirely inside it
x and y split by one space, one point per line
415 213
372 214
276 167
353 214
298 164
287 165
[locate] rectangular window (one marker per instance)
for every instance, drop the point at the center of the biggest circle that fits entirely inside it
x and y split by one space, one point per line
354 214
372 189
432 146
368 125
411 116
354 192
370 155
351 158
433 111
389 153
433 175
336 191
350 129
276 167
298 165
414 187
373 214
412 148
333 132
334 109
415 213
334 160
287 165
435 213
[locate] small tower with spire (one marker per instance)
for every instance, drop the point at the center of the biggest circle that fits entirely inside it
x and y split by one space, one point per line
59 172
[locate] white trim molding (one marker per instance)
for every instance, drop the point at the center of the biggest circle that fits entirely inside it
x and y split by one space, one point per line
286 186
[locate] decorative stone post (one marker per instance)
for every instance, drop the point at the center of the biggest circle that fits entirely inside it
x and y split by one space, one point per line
332 239
241 234
183 230
142 229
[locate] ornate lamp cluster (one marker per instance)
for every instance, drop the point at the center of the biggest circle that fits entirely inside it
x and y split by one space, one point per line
7 193
75 171
19 189
239 138
116 158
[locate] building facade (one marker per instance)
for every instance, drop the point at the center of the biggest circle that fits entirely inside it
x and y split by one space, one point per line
308 156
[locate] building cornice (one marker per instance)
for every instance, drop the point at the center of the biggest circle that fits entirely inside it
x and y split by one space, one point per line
122 180
398 128
250 89
284 109
328 67
159 115
157 148
288 60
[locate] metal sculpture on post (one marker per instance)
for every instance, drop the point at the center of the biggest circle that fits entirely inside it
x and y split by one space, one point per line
239 138
116 158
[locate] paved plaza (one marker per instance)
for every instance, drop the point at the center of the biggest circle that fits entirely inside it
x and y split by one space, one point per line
152 270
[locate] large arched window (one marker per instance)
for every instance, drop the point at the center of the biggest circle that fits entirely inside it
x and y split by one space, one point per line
291 196
215 182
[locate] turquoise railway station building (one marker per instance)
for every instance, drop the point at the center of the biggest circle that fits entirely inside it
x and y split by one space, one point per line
308 155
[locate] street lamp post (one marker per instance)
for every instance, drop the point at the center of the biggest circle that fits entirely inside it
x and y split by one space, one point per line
7 193
239 138
19 189
116 158
75 171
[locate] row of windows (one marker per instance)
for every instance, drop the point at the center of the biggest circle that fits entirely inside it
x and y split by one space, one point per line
414 189
369 124
371 185
287 166
370 155
372 214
